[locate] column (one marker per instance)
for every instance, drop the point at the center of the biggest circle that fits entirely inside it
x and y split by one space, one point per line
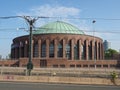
20 50
39 48
32 48
93 50
97 51
72 49
47 48
79 49
86 49
64 49
55 48
100 52
25 49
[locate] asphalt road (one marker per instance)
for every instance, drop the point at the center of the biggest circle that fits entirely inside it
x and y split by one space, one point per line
44 86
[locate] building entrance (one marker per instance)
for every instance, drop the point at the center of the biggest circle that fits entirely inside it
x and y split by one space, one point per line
43 63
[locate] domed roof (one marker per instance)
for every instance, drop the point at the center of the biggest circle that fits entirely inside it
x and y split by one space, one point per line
58 27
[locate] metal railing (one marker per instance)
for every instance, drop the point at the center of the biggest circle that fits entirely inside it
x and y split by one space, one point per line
61 72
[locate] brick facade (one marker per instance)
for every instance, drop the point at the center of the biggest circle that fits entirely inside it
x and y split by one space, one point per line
60 45
20 47
89 55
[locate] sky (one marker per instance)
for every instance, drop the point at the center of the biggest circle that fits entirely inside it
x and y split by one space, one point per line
80 13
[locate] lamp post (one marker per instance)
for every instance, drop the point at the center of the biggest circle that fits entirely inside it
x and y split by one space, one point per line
94 43
30 21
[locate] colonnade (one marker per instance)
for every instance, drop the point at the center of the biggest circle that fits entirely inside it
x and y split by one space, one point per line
76 50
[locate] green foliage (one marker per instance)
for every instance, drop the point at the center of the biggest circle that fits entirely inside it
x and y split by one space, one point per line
109 54
114 75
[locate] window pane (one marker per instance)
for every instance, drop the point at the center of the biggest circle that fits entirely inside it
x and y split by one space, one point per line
51 50
35 50
68 51
60 50
90 51
43 50
76 52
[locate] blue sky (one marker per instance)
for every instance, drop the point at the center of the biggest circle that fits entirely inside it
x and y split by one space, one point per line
105 28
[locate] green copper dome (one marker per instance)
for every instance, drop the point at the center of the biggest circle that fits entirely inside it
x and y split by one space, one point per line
58 27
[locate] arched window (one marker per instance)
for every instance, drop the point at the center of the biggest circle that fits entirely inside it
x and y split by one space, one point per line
95 51
43 50
83 50
76 51
60 50
35 50
51 50
68 51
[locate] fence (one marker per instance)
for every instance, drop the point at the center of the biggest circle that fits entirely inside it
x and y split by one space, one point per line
61 72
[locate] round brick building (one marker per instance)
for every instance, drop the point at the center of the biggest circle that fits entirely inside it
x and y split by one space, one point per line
59 44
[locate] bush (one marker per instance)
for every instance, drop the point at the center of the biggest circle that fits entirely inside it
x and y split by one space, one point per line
114 75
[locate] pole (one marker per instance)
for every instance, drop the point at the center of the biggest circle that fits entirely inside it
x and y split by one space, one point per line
30 21
94 44
30 64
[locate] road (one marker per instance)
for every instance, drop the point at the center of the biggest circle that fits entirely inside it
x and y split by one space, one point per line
46 86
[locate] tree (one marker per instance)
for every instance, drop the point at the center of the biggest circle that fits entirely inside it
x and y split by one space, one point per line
110 53
9 56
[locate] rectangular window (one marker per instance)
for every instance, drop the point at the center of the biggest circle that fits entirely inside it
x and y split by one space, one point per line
6 65
92 66
76 51
68 51
62 66
43 63
51 50
72 66
60 50
55 66
43 50
105 66
85 65
112 66
78 65
99 66
35 50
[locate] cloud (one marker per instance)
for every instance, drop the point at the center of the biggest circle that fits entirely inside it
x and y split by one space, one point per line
62 12
53 11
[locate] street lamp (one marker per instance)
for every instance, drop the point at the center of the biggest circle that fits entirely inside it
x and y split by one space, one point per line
94 43
30 21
